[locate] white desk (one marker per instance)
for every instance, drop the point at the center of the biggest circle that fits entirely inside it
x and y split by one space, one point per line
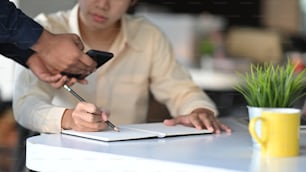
224 152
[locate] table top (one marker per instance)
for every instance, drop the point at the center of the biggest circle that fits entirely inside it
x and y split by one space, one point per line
211 152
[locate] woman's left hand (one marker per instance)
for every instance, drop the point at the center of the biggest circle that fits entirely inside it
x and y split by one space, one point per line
201 119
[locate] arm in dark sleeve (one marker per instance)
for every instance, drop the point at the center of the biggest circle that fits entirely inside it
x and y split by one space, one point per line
16 27
19 55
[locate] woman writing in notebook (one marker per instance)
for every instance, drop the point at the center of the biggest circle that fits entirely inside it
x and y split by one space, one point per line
143 61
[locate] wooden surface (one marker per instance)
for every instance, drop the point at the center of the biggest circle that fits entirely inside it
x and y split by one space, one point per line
8 139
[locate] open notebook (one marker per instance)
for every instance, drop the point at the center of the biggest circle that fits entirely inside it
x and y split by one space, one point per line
138 131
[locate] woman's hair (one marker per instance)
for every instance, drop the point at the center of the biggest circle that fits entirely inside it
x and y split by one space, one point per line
132 7
133 2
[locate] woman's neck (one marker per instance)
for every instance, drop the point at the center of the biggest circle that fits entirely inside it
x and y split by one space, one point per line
99 39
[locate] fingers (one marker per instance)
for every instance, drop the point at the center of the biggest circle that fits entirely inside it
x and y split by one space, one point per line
82 125
225 128
90 126
212 123
62 53
184 120
77 41
83 81
84 64
85 59
70 81
89 62
56 81
170 122
59 82
65 53
51 77
200 123
104 116
87 117
200 119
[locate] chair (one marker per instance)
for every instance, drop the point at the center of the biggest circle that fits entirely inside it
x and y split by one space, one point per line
256 45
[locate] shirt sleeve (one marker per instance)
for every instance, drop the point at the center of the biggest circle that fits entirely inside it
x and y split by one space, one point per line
171 83
32 103
19 55
16 27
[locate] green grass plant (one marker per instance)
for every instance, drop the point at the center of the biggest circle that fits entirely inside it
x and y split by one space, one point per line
270 85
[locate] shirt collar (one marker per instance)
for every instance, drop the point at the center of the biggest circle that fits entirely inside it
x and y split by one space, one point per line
128 33
73 20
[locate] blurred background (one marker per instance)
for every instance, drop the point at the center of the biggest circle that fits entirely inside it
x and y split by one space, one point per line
213 39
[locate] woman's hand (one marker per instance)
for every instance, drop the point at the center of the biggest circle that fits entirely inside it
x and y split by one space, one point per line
85 117
201 119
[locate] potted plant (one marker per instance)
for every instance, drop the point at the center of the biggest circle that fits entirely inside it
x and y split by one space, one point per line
271 86
206 50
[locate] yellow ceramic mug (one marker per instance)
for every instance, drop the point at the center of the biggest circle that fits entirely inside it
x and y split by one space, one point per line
280 132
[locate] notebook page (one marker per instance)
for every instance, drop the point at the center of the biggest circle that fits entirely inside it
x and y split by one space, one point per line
161 130
111 135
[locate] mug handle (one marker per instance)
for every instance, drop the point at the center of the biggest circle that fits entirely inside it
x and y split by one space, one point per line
253 131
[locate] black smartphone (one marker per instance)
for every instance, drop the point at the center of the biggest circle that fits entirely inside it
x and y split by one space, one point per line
100 57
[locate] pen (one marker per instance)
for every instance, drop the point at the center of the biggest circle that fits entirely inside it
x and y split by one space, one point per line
70 90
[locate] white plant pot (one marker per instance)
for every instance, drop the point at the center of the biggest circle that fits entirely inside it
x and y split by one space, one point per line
255 112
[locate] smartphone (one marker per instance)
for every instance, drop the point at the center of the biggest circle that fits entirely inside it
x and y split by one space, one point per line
100 57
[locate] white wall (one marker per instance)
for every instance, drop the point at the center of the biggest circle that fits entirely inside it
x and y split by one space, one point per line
6 81
34 7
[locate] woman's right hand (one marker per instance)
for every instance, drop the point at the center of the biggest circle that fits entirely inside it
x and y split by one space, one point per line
85 117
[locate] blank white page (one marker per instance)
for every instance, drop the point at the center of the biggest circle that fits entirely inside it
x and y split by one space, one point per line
162 130
111 135
138 131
